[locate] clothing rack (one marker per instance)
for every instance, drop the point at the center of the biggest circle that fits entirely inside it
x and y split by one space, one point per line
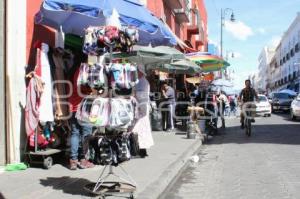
103 187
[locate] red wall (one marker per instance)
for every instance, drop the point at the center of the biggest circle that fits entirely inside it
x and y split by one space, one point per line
36 32
159 9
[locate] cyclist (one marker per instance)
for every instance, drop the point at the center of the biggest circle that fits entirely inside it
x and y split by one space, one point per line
247 95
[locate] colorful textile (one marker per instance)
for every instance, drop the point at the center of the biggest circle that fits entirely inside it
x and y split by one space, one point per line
33 95
98 40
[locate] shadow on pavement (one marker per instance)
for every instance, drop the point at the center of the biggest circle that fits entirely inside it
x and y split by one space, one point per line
73 186
264 134
1 196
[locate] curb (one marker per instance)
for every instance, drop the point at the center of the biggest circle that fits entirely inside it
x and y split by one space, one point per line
157 188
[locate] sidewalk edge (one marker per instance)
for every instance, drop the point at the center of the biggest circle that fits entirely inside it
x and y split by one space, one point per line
157 188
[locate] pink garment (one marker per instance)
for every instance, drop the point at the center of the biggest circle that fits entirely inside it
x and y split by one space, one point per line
33 95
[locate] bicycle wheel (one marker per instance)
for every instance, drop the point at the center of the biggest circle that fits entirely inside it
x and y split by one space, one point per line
249 127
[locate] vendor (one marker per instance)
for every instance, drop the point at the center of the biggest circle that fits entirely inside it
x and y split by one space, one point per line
168 95
79 132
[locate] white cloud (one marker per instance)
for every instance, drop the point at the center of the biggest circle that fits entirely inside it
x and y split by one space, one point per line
237 55
261 30
238 29
275 40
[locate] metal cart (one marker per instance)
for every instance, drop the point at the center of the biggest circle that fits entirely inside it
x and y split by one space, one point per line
40 156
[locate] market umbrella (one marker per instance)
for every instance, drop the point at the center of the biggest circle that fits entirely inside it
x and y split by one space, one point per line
150 56
288 91
180 67
208 62
74 16
193 80
222 83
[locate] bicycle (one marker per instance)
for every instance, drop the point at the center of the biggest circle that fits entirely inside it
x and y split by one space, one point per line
248 119
247 123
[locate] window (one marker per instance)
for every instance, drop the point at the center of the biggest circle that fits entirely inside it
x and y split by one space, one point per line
292 53
262 98
287 56
283 60
281 95
297 47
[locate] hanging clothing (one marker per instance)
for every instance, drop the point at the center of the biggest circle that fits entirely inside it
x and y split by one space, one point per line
46 104
33 95
143 126
60 98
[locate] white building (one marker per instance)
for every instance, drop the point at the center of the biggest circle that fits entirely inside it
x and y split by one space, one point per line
286 63
263 75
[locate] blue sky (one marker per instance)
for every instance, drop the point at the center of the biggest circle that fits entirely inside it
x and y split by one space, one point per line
258 23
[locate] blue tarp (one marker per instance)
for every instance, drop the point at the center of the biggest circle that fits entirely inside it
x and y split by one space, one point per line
76 15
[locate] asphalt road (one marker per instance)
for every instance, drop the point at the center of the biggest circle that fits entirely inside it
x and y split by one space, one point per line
234 166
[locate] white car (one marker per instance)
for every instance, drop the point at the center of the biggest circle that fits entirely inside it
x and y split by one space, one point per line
263 107
295 108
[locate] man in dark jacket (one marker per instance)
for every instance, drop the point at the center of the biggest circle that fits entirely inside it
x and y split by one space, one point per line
247 98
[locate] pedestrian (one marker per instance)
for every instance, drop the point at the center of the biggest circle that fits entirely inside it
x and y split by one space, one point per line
79 132
168 95
222 104
233 104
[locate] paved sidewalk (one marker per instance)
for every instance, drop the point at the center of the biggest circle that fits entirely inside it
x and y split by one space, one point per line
152 174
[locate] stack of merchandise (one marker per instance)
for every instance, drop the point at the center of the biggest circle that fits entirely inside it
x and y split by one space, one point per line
114 107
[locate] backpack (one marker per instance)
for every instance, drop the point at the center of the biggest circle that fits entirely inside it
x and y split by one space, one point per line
100 110
122 113
97 76
124 76
84 71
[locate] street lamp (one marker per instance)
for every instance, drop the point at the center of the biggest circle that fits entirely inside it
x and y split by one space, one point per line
229 54
232 19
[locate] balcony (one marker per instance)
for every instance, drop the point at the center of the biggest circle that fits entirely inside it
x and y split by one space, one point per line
193 29
199 39
175 4
182 15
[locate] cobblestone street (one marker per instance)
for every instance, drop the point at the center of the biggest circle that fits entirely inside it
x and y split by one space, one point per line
233 166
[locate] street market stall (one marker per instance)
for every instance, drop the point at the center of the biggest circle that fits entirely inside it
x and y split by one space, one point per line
110 31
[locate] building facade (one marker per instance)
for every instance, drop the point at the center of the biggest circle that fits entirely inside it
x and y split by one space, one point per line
286 62
186 18
17 56
263 69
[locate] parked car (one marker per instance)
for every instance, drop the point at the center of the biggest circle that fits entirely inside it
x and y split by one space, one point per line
281 101
263 107
295 108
